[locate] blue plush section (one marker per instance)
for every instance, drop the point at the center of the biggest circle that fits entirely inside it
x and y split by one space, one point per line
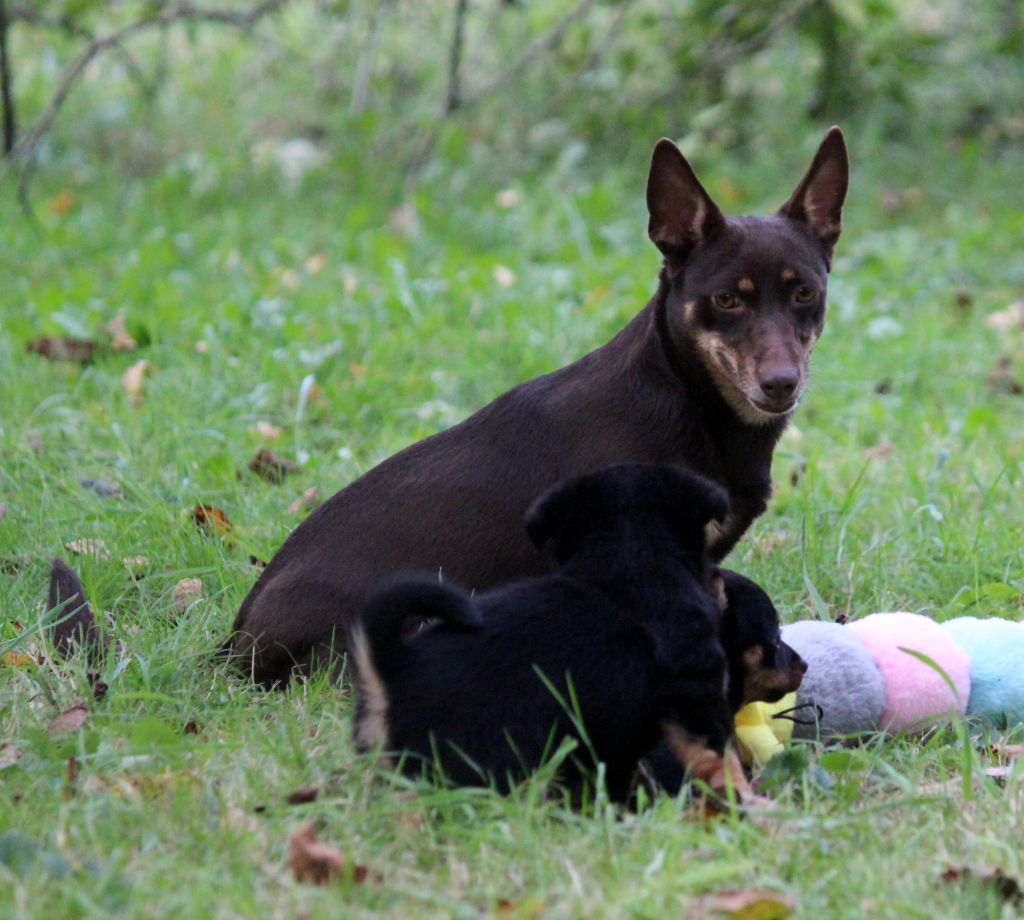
842 678
996 649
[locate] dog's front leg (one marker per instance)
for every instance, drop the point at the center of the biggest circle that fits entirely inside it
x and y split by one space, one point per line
721 769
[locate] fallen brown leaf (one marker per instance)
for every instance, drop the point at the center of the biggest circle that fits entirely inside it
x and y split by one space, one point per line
88 547
211 519
70 720
269 466
186 591
527 909
136 566
10 754
1003 380
303 795
1005 320
17 660
267 430
120 338
746 904
131 379
311 860
63 348
307 501
1006 887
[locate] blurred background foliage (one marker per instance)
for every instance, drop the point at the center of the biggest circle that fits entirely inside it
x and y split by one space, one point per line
385 91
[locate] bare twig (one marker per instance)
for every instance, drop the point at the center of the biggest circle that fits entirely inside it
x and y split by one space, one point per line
24 150
364 67
6 86
534 50
454 97
593 58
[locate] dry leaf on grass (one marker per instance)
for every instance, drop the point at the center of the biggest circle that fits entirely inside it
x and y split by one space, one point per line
1005 320
746 904
267 430
1003 380
311 860
70 720
10 754
136 566
88 547
20 660
63 348
186 591
1006 887
302 795
307 501
131 379
120 338
211 519
269 466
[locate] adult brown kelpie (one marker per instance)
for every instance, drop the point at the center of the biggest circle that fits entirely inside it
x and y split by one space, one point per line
705 376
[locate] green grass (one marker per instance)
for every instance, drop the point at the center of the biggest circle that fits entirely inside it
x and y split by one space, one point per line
900 488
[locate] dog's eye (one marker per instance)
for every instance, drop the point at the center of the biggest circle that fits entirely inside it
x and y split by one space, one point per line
727 300
804 294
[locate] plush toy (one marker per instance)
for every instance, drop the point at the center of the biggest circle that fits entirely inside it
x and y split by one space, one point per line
903 672
760 734
996 650
842 678
916 694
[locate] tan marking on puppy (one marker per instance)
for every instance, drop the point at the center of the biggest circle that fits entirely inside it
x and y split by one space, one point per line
372 727
763 683
788 274
703 764
746 286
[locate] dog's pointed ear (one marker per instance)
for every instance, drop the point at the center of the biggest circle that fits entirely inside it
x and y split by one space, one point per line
681 213
818 199
543 516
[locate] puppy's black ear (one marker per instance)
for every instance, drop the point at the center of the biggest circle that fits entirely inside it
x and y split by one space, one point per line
681 213
708 500
716 503
818 199
555 511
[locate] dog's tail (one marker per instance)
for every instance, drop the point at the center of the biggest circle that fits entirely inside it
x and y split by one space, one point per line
392 609
74 624
377 644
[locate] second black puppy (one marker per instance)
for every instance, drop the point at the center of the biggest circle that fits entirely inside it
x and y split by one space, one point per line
626 630
761 666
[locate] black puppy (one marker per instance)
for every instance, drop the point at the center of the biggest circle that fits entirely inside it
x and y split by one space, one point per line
617 648
761 666
705 376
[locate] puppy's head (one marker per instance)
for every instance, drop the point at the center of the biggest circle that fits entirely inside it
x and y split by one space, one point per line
643 500
761 666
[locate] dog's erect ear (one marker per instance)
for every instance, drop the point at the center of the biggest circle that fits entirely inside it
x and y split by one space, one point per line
544 515
681 213
818 199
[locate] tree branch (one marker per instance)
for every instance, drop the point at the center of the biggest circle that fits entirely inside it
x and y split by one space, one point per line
6 84
454 98
24 150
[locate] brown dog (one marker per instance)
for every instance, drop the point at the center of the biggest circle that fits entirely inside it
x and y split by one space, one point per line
705 376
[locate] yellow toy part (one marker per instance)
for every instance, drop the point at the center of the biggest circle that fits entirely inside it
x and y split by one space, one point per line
759 733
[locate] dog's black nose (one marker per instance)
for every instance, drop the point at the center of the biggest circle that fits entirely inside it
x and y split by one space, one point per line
801 664
779 384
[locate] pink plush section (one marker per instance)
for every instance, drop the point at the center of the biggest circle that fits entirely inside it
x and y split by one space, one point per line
915 695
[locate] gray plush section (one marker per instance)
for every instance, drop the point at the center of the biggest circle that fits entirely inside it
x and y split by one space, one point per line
842 678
